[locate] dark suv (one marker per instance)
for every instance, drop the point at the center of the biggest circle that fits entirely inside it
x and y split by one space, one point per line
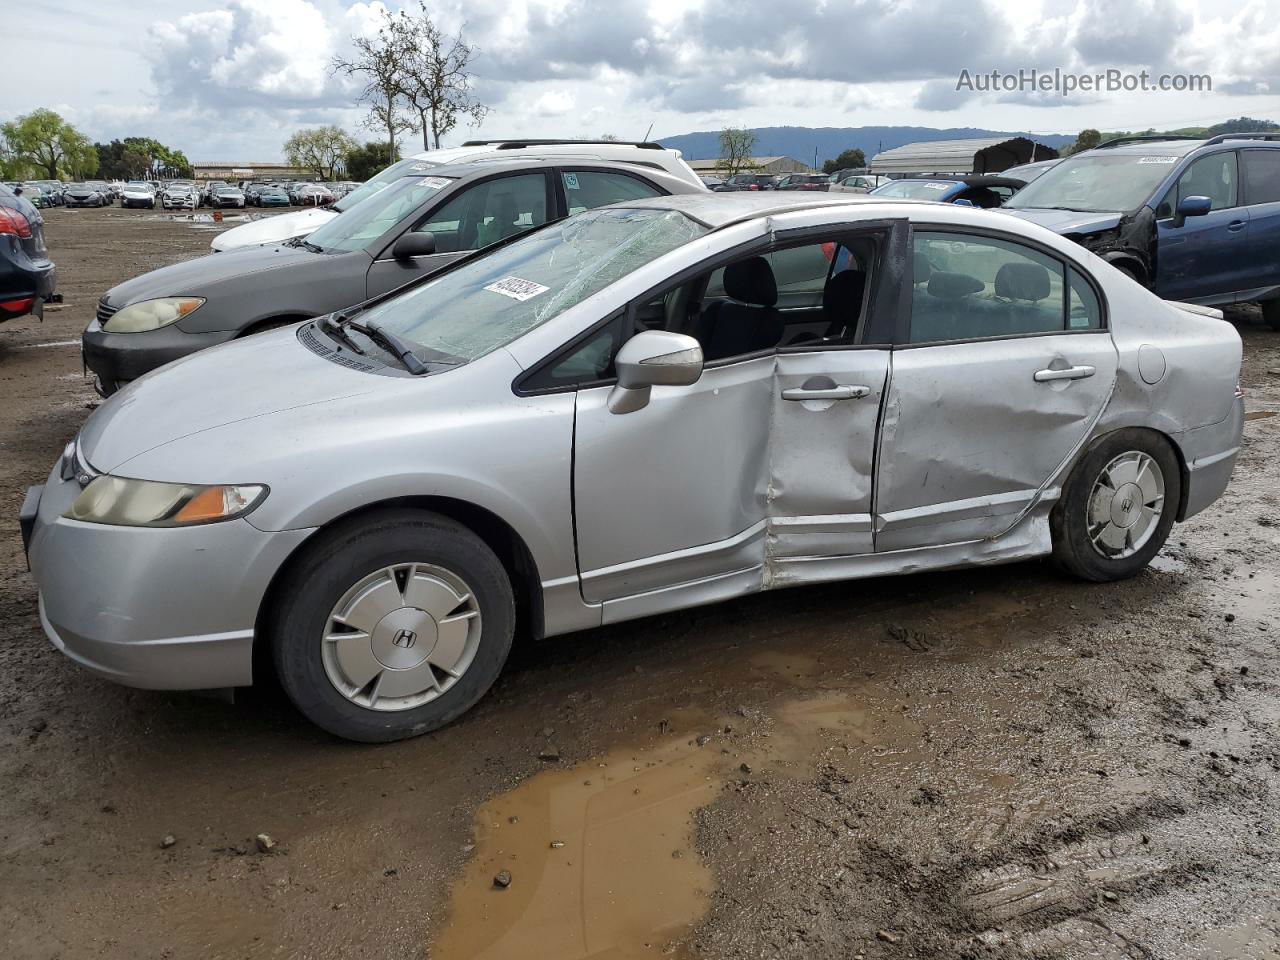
26 272
1192 219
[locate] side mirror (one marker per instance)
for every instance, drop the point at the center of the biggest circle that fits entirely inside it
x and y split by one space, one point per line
17 191
1191 207
412 245
653 358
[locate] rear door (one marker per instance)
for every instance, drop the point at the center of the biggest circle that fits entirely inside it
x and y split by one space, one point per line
1207 257
1260 177
474 217
1001 371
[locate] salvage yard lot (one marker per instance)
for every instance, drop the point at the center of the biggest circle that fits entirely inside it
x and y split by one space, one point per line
996 763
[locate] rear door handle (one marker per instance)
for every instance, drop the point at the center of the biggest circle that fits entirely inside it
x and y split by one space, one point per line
842 392
1067 373
1235 226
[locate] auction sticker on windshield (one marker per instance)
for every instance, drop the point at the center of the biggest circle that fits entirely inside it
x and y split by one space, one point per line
1157 159
517 289
434 182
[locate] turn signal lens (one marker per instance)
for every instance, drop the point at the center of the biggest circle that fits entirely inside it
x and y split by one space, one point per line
145 503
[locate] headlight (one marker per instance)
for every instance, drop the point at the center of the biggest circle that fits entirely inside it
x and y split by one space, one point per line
146 503
152 314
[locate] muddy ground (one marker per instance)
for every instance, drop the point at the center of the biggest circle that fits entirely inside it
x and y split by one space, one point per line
998 763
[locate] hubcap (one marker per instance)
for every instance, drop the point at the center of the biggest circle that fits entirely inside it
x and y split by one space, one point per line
401 636
1125 505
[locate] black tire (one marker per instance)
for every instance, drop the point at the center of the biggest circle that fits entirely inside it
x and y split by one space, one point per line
1271 314
337 561
1073 549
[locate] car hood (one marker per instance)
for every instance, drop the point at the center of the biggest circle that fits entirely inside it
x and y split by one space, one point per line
1067 221
272 229
193 278
242 380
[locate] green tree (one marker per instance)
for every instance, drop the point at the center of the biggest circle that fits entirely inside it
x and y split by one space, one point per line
1086 140
364 162
736 144
322 150
43 139
1242 125
848 160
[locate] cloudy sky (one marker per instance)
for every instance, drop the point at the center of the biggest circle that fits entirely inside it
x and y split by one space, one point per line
231 80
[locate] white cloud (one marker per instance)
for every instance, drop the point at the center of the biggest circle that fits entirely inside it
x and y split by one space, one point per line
553 103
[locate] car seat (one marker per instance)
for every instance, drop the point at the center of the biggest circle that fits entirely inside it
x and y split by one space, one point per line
727 328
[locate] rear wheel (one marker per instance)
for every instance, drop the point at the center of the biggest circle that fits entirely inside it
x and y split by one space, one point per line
1271 313
392 626
1118 506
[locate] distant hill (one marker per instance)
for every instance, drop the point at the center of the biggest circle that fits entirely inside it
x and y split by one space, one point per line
800 142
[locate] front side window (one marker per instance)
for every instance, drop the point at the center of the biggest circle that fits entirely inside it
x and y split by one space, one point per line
587 189
1214 177
491 301
980 287
490 211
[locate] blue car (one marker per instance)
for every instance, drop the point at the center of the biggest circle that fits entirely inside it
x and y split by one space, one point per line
1192 219
975 191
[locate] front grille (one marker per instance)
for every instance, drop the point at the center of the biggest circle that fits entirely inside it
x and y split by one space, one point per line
105 311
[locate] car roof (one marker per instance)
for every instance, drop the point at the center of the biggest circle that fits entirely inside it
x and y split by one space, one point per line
475 170
722 209
1145 147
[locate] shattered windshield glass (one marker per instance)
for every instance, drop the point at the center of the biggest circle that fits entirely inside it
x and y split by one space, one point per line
491 301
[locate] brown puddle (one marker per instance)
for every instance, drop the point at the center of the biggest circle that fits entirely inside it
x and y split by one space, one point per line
600 857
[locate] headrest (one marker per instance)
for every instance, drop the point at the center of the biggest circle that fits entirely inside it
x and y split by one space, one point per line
842 296
1022 281
952 286
921 267
751 281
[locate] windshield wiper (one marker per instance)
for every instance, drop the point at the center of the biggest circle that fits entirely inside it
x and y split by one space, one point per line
304 243
393 343
332 325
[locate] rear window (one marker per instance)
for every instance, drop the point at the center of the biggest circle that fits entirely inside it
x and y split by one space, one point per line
1261 175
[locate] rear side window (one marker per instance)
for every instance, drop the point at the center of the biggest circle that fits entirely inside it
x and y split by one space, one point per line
585 189
969 287
1261 175
1084 311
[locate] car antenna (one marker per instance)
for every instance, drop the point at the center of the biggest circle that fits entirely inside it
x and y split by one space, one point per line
649 131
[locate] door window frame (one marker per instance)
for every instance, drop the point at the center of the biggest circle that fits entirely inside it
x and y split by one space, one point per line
902 340
549 199
1246 190
1171 191
879 302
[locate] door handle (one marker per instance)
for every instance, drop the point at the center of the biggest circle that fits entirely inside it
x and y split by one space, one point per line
1235 226
1067 373
842 392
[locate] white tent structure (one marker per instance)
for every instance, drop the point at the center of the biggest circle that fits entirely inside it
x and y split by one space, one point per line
980 156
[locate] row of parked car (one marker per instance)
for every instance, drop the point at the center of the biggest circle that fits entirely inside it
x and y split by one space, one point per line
454 434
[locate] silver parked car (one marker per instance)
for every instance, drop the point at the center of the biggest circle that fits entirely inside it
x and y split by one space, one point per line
637 409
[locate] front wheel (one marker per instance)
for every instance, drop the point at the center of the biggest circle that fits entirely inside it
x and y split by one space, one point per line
391 626
1118 506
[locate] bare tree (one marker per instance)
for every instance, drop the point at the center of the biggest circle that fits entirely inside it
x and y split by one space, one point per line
380 61
437 85
736 145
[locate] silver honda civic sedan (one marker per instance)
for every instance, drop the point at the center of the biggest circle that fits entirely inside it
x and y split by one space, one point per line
640 408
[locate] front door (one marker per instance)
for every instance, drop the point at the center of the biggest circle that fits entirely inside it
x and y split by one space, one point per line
1207 257
1004 368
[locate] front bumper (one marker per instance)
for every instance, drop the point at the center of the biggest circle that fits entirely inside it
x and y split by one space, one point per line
119 358
162 609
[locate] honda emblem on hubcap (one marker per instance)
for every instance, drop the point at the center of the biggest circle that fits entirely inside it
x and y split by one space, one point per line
405 638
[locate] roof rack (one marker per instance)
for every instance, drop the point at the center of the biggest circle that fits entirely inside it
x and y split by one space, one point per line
1146 138
520 144
1223 137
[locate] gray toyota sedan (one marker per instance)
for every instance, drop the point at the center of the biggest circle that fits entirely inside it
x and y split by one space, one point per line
638 409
